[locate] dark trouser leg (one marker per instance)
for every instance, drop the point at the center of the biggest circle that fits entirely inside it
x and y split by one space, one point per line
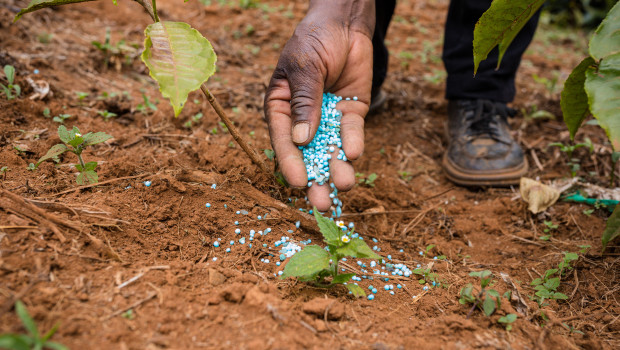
384 10
490 84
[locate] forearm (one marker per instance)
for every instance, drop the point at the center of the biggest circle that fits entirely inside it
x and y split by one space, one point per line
357 15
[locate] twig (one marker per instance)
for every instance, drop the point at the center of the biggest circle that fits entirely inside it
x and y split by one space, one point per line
576 286
16 227
100 183
134 305
142 273
249 150
381 212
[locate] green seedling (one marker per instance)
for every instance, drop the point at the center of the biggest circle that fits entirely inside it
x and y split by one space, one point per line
546 287
588 212
550 84
426 276
574 164
146 106
129 314
106 95
74 142
60 119
32 340
4 170
583 249
81 95
31 167
320 266
193 120
107 115
508 320
405 175
564 265
549 228
270 154
46 112
115 53
45 37
482 300
9 73
366 181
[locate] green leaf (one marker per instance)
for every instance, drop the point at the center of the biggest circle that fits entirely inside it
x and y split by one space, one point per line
95 138
41 4
55 151
356 290
499 25
270 154
571 256
606 40
310 261
13 342
342 278
550 272
574 101
488 306
603 89
87 176
331 232
357 248
9 72
552 283
559 296
179 58
90 166
64 134
612 229
28 322
50 333
493 293
481 274
510 318
536 282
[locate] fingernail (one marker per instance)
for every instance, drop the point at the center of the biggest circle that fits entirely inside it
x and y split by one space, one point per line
301 132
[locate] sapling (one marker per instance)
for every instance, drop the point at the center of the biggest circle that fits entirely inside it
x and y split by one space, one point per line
320 266
9 73
483 299
4 170
74 142
32 340
107 115
179 58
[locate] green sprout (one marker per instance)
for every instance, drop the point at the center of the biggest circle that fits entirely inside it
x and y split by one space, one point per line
60 119
546 287
81 95
320 266
74 142
144 107
550 226
483 299
46 112
193 120
366 181
4 170
574 164
32 340
508 320
107 115
9 73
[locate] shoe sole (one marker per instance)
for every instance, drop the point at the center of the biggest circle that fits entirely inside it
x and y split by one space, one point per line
498 178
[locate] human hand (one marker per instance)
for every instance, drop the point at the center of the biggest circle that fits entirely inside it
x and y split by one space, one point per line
330 51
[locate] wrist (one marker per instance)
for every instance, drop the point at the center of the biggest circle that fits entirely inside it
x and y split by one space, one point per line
357 15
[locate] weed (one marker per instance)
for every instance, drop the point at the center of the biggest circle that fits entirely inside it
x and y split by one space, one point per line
584 248
129 314
564 265
119 53
427 276
107 115
588 212
146 106
4 170
550 226
193 120
81 95
31 167
9 73
405 175
32 340
546 287
74 142
483 299
508 320
60 119
573 163
270 154
366 181
320 266
46 112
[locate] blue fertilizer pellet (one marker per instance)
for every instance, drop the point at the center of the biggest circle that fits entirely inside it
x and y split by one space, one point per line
370 297
227 250
213 186
208 205
216 244
147 183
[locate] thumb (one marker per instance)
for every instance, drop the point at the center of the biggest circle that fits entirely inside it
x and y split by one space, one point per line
306 86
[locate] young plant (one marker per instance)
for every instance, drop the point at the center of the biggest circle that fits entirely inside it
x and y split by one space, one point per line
564 265
367 181
484 298
81 95
193 120
115 53
573 163
550 227
546 287
107 115
146 106
32 340
74 142
4 170
9 73
508 320
179 58
60 119
320 266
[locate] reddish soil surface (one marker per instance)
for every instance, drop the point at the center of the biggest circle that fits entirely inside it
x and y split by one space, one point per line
83 257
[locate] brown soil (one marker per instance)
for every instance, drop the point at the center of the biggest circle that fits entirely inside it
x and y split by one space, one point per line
163 234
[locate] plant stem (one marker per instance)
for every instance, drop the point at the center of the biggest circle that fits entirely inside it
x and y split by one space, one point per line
475 303
149 9
249 150
155 16
79 155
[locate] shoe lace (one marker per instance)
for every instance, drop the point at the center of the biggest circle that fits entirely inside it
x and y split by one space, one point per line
483 119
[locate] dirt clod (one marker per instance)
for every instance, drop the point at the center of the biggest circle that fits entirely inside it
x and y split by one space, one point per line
318 307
